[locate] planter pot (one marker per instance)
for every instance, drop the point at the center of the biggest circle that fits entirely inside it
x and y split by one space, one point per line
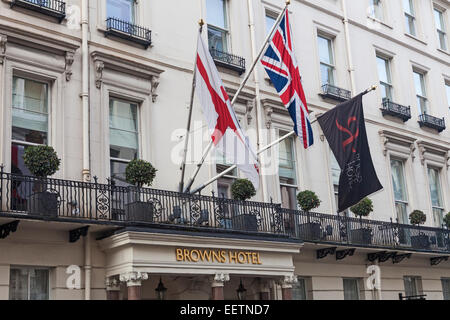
139 211
245 222
421 241
361 236
310 231
43 204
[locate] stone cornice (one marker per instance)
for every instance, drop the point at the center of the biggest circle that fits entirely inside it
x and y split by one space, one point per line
433 152
397 142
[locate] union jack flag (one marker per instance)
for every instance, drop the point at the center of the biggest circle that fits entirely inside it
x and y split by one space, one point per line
281 66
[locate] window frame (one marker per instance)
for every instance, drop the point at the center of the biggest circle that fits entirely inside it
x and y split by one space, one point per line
225 31
135 11
417 284
444 293
388 69
406 201
331 39
441 199
358 287
423 83
443 31
28 269
373 11
411 16
295 186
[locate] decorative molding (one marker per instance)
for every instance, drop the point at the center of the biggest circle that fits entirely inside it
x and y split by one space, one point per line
433 152
288 281
268 111
75 234
69 61
3 42
275 107
397 142
437 260
7 228
133 278
112 284
381 256
340 255
399 258
322 253
154 85
99 66
250 105
220 279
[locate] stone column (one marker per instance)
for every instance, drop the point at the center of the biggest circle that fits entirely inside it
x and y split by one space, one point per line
112 288
217 285
286 286
134 282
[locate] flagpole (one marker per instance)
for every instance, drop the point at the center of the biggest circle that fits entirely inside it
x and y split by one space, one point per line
191 104
241 87
374 87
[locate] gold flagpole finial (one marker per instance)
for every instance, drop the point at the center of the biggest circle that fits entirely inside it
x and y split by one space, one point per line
201 22
288 2
374 87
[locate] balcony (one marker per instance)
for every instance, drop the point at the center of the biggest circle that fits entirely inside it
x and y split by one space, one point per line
53 8
425 120
227 60
128 31
396 110
335 93
96 203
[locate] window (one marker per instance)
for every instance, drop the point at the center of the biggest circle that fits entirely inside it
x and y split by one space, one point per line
413 285
299 290
224 183
384 73
410 19
436 197
421 94
287 173
351 289
399 186
376 9
121 9
440 27
335 175
446 288
27 283
270 21
217 24
447 88
326 60
123 136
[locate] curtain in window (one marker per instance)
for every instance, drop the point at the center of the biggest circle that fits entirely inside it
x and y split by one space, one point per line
351 290
121 9
286 159
410 286
446 288
29 284
18 284
123 126
398 180
299 290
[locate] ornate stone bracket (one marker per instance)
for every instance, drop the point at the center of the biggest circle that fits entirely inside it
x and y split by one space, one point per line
112 284
155 83
3 41
399 258
74 235
437 260
99 66
69 61
133 278
249 107
344 253
381 256
7 228
220 279
322 253
288 281
269 112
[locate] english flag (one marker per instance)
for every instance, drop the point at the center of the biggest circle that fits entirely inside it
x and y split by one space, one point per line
226 133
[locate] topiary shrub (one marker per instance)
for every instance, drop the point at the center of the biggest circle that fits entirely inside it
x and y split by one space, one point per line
139 172
308 200
42 161
362 208
447 220
242 189
417 217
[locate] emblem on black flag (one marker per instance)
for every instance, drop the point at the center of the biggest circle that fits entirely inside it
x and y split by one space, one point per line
345 130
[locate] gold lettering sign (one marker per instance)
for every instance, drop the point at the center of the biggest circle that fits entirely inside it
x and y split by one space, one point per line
217 256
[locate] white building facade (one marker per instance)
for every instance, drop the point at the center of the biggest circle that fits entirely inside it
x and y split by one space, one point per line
107 81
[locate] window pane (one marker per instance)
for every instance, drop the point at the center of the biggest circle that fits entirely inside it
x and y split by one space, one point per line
351 291
121 9
408 7
29 111
327 74
398 180
376 8
419 84
439 20
335 169
123 129
270 21
435 187
216 13
217 39
446 288
299 290
287 159
325 50
410 25
447 88
383 70
38 284
18 284
288 194
402 214
410 286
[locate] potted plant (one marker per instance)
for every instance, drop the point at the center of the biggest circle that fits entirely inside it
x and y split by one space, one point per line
139 173
420 241
42 161
362 235
307 201
243 189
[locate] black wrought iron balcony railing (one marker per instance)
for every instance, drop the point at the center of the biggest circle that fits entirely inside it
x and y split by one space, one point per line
72 201
228 60
128 31
395 110
54 8
335 93
425 120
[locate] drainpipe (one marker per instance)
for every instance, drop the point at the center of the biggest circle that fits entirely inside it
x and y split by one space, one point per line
351 69
258 108
87 267
85 87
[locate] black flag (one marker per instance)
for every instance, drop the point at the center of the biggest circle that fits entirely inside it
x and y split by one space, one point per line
345 131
